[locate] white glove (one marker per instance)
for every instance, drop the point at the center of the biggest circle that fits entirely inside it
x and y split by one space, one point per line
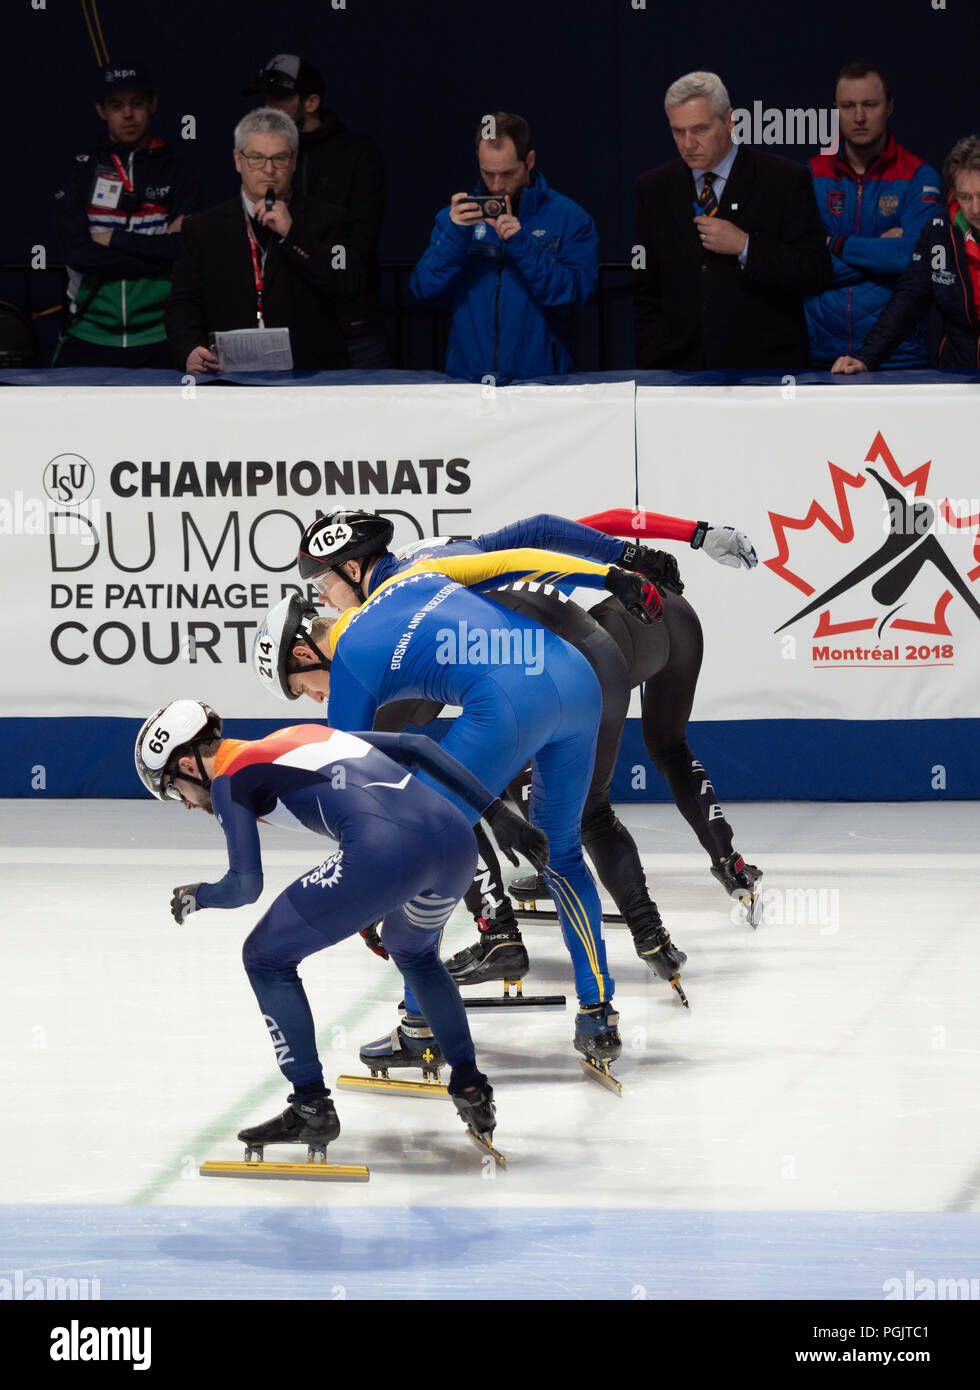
726 545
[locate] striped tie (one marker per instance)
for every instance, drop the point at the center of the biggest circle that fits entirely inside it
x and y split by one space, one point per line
707 199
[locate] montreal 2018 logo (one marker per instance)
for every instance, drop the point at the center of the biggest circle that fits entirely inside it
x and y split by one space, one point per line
888 600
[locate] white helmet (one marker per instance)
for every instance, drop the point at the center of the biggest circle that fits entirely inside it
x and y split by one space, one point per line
174 726
282 627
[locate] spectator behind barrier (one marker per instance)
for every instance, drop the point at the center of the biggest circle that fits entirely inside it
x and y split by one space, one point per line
120 209
339 166
244 266
514 279
732 245
874 199
943 277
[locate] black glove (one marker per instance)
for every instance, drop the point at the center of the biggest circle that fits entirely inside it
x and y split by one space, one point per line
512 831
373 941
637 595
659 566
183 903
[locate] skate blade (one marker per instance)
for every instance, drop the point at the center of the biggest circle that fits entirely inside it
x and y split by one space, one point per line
676 984
528 1002
323 1172
527 912
602 1075
486 1147
396 1088
752 902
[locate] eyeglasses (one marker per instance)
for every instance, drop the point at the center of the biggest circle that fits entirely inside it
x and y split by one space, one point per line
259 161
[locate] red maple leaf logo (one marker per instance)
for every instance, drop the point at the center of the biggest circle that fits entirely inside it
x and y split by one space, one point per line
841 526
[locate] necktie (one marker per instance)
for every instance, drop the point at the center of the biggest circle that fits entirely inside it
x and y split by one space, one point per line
707 199
263 235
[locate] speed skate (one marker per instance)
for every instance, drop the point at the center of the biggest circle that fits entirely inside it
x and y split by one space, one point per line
411 1045
499 954
310 1122
741 882
316 1167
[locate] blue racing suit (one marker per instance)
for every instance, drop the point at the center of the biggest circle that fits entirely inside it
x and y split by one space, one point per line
405 854
524 693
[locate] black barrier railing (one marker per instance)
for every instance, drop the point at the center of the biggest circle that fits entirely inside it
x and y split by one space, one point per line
418 333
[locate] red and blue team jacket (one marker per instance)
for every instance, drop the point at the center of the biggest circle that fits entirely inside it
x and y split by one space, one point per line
873 221
117 292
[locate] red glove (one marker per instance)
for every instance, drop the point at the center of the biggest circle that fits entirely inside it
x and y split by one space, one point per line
373 941
637 595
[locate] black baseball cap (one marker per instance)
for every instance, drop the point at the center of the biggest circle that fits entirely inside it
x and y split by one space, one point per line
284 74
125 77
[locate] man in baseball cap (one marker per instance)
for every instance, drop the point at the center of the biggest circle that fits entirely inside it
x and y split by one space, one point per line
125 77
121 204
284 75
340 167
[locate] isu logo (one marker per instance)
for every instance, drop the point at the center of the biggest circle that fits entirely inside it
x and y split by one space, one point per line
895 575
69 479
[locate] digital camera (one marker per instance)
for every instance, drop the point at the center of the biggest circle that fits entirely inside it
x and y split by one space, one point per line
490 204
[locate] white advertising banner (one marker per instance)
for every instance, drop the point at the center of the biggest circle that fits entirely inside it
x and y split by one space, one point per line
862 502
145 531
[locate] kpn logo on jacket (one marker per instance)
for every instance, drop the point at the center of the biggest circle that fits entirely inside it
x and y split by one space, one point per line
888 574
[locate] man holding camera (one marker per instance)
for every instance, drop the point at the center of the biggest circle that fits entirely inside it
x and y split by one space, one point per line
268 258
514 259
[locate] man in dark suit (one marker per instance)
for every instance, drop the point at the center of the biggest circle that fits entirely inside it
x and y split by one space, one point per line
340 166
245 265
730 244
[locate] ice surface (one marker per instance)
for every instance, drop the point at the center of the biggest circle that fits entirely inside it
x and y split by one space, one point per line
828 1065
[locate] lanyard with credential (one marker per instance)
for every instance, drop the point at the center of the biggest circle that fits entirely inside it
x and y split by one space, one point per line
258 266
121 172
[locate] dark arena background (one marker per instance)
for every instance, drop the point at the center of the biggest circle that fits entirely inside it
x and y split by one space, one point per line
802 1133
589 76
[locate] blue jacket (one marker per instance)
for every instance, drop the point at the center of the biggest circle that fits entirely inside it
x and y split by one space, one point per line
512 302
863 217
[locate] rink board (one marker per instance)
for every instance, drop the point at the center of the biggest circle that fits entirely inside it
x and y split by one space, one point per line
749 760
144 555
